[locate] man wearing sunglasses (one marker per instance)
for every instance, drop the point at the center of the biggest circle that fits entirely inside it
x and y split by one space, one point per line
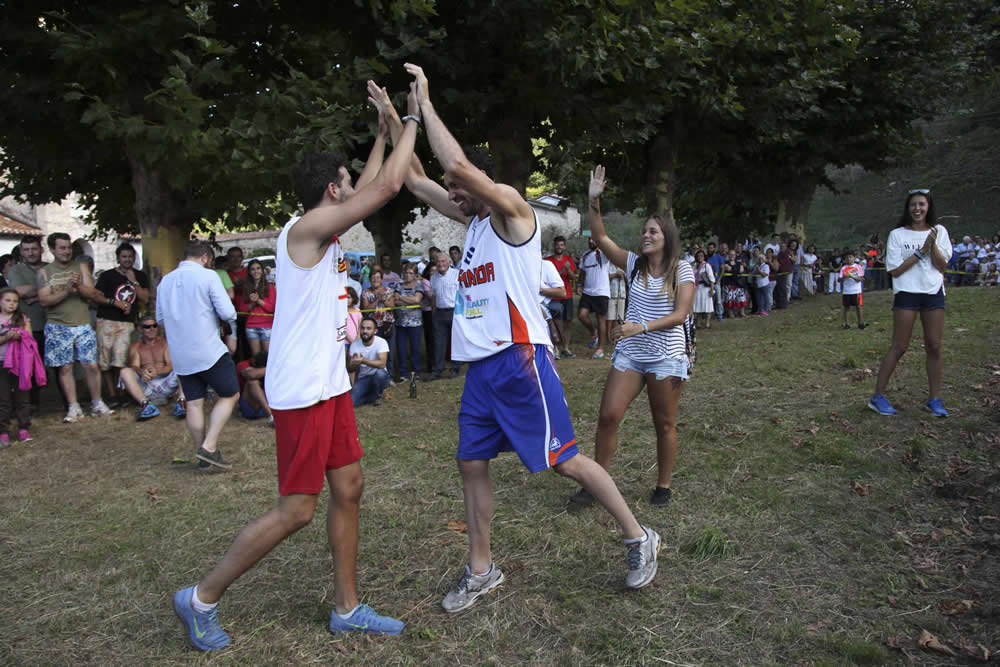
150 375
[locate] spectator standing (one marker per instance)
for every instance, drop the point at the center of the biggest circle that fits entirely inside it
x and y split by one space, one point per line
220 264
256 300
774 246
24 278
808 262
149 377
717 259
409 321
353 315
63 286
14 325
704 280
127 288
369 356
762 282
190 302
552 288
7 262
734 293
444 286
455 255
796 252
852 277
389 277
366 271
616 289
916 256
785 267
238 274
567 269
596 293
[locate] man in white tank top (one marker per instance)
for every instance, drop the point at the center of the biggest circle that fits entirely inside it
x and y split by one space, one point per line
512 399
308 389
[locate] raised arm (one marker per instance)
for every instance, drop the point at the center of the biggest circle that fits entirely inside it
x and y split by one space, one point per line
423 188
377 155
507 206
321 223
611 250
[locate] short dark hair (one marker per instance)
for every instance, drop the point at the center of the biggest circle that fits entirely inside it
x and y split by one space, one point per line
479 158
198 248
235 247
454 247
57 236
220 262
259 360
123 247
313 173
368 318
148 316
558 239
31 240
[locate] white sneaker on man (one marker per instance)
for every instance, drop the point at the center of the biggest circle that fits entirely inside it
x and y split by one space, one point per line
74 413
470 587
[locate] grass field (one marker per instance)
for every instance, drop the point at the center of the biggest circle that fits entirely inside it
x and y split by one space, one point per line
805 529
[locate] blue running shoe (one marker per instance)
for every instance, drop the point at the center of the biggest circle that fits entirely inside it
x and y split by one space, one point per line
148 412
880 404
203 629
364 619
937 407
179 410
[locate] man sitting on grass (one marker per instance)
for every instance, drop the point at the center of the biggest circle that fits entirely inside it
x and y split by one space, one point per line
150 375
253 401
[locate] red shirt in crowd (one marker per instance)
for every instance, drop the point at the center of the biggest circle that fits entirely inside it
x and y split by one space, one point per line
567 269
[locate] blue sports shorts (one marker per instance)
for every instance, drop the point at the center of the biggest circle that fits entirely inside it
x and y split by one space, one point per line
918 301
514 401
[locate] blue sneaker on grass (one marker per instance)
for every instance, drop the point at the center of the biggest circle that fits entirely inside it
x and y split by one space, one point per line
365 619
880 404
937 407
203 630
148 412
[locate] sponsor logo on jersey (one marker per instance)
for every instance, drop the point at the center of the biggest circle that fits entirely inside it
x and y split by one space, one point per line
479 275
342 265
554 444
474 308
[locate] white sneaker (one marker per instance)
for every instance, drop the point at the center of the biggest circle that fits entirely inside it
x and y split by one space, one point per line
74 413
641 558
470 587
100 409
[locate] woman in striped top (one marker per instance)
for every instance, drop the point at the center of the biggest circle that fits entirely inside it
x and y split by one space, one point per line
650 344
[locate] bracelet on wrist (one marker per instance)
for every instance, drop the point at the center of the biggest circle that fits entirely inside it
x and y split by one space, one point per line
919 255
409 117
645 327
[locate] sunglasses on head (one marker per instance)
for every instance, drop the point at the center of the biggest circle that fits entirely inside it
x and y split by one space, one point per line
919 191
147 326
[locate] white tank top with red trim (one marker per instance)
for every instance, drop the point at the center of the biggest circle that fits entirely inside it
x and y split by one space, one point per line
497 301
305 363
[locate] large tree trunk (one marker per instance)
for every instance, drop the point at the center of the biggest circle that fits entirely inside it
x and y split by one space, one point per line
661 168
793 207
510 146
164 234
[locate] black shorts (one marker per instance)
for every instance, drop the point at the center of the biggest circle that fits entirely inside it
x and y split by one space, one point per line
595 304
221 377
918 301
851 300
567 309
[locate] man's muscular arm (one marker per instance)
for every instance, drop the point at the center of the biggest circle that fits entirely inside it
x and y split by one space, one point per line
507 206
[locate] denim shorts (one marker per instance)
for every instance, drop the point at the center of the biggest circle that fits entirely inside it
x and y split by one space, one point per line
261 333
918 301
662 368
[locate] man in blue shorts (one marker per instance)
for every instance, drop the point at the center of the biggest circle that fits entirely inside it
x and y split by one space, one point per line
513 399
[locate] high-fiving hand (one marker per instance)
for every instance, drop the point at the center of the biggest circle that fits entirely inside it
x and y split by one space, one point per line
597 182
420 79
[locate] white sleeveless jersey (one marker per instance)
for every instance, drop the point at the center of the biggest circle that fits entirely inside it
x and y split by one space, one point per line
306 363
497 301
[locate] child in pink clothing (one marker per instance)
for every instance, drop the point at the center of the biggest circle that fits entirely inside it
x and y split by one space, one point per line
13 325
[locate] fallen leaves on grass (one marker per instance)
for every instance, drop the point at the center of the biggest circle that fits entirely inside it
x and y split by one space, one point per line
929 642
955 607
812 429
975 651
421 446
153 494
457 525
861 489
957 467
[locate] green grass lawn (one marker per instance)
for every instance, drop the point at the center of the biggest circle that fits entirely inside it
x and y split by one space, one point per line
805 529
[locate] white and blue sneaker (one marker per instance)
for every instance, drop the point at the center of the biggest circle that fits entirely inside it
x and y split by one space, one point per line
203 630
937 407
180 410
365 619
148 412
880 404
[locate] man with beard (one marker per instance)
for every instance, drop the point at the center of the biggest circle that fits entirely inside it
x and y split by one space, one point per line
369 354
124 285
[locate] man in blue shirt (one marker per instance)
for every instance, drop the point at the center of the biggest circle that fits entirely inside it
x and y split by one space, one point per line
717 260
190 302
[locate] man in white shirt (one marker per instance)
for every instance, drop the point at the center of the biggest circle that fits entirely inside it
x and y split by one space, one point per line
774 245
444 285
596 293
308 388
190 302
552 290
369 354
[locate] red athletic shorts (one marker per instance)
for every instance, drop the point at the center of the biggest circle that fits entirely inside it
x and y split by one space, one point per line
312 440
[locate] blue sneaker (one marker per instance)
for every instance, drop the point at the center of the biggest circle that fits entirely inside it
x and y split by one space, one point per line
148 412
880 404
203 629
179 410
937 407
364 619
